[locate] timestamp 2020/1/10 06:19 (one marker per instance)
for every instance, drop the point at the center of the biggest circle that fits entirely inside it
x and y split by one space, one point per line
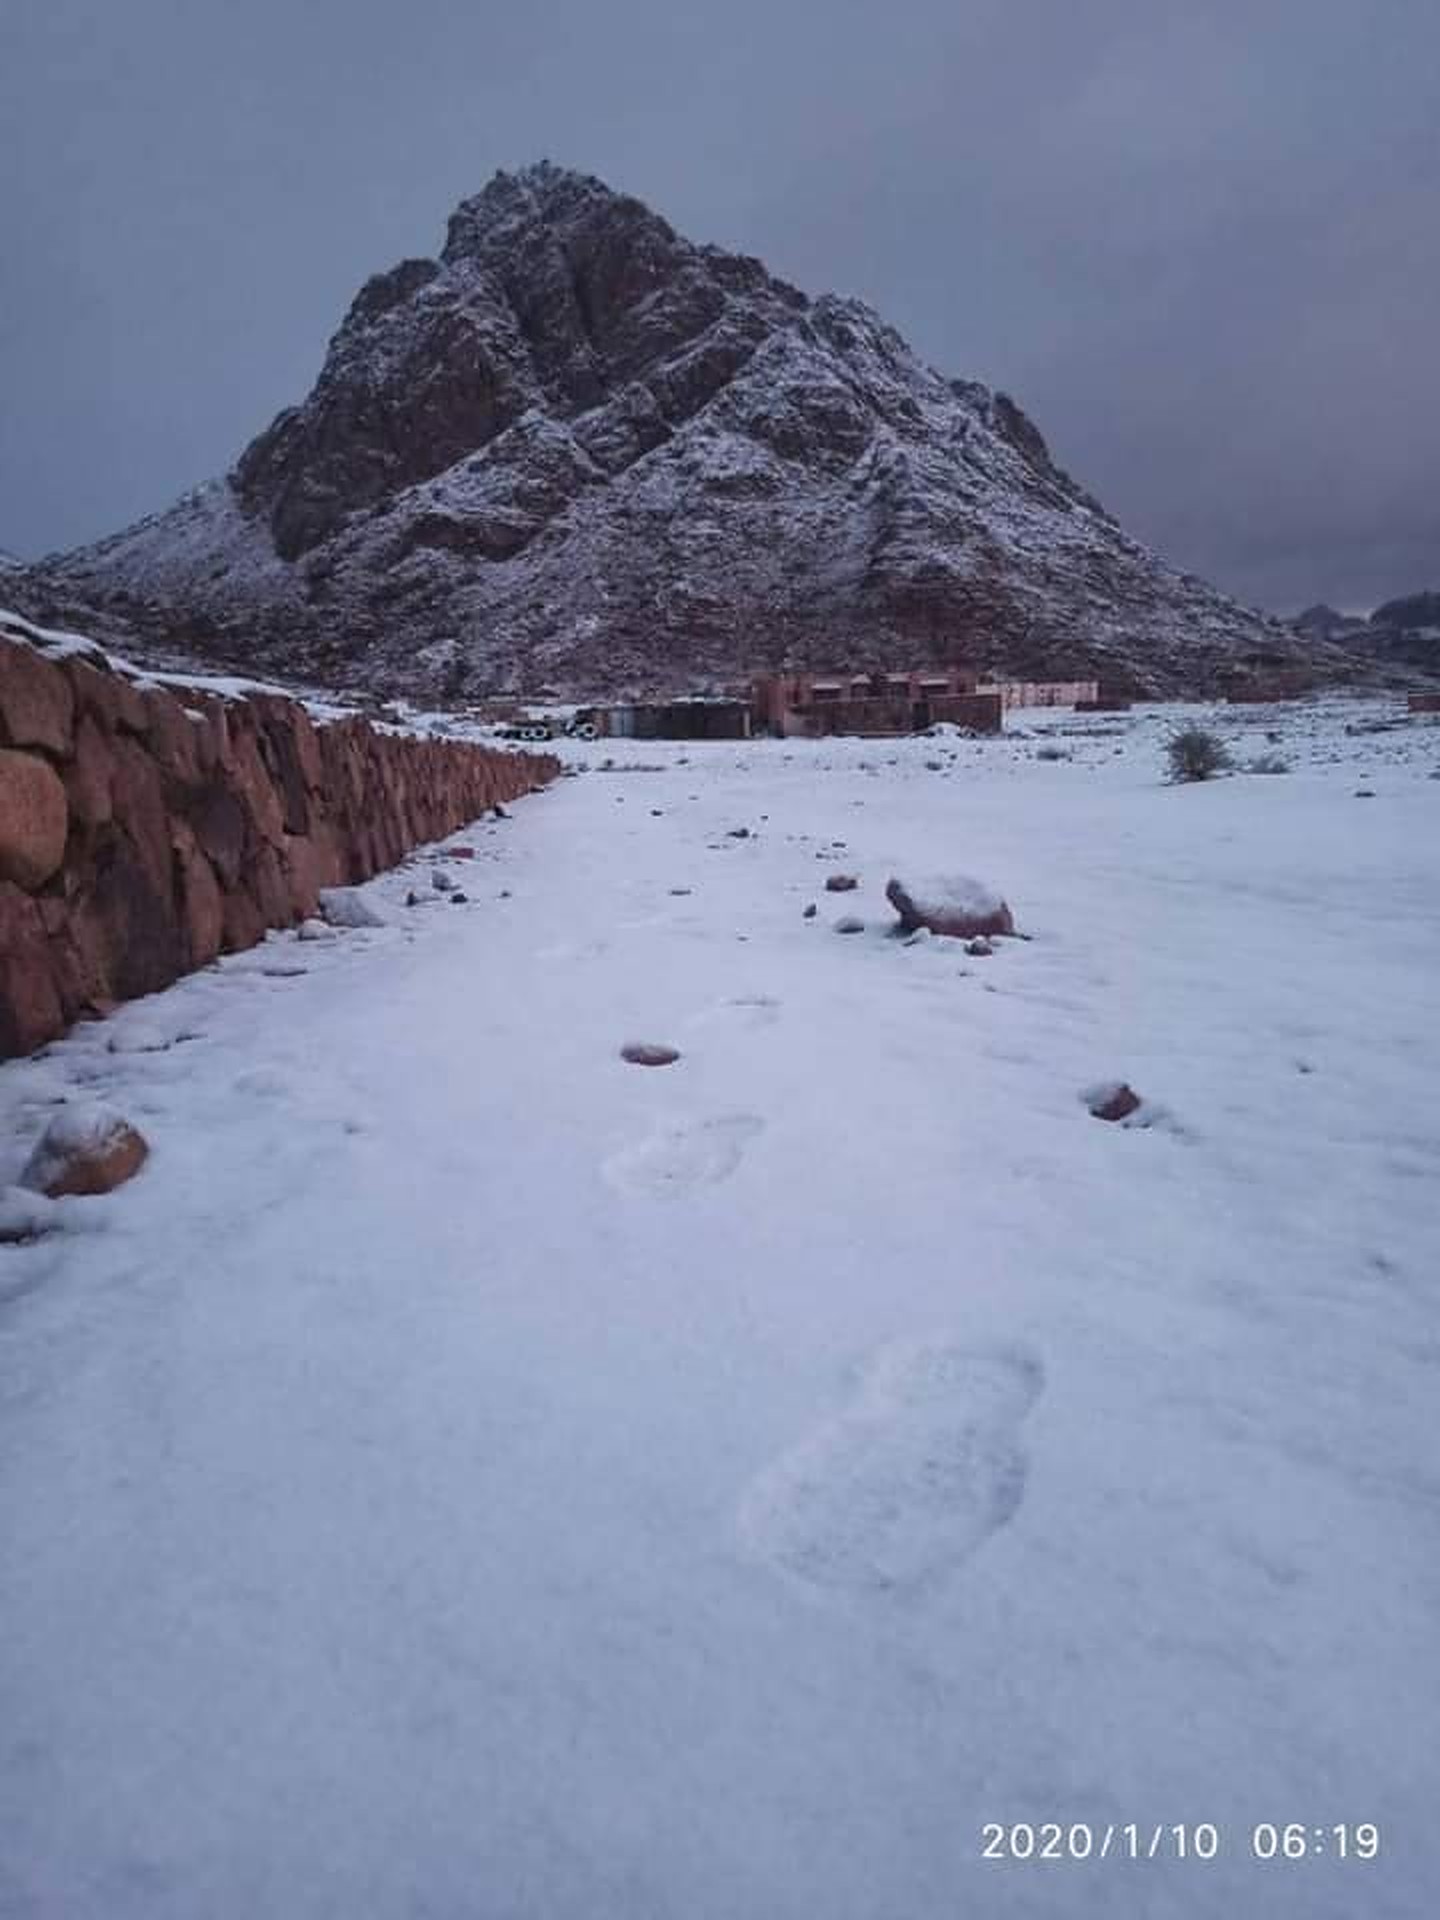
1179 1840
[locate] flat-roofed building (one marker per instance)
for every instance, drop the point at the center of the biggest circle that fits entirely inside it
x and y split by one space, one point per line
880 702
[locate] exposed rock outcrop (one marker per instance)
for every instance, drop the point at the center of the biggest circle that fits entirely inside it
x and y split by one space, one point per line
1405 632
578 451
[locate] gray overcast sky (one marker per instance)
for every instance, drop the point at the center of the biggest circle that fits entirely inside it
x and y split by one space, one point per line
1198 239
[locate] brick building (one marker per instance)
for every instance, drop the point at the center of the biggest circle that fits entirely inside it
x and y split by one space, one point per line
885 702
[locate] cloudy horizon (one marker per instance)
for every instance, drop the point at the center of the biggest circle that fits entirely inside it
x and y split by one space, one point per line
1198 244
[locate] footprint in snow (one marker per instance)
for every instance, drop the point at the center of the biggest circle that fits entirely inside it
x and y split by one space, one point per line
895 1494
573 950
678 1158
265 1083
747 1010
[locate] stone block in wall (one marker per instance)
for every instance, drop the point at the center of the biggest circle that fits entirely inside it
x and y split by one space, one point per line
282 761
90 773
141 814
82 954
312 861
172 737
268 884
243 921
136 930
115 702
253 783
202 907
218 820
30 1007
78 989
307 750
34 815
212 730
37 705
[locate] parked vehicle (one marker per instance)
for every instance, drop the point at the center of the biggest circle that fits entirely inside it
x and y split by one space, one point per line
579 727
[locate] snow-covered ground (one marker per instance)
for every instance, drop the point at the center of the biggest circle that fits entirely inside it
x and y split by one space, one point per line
467 1475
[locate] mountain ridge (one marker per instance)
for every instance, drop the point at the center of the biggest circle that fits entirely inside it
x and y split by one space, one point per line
575 449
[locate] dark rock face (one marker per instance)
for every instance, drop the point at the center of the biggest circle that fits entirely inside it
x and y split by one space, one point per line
1415 612
550 295
1403 633
578 451
1321 622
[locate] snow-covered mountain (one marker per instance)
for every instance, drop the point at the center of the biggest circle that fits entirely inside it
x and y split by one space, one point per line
1322 622
578 451
1403 633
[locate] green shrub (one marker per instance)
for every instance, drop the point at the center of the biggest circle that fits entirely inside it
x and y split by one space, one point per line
1194 753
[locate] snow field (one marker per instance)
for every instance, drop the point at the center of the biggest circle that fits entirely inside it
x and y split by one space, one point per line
465 1473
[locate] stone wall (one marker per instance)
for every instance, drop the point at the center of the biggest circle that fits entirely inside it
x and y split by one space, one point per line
144 830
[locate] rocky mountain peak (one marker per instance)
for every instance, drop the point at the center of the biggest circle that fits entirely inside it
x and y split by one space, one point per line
567 206
551 292
578 449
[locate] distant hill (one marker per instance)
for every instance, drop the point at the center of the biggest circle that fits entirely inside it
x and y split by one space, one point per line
1416 613
1327 623
1405 632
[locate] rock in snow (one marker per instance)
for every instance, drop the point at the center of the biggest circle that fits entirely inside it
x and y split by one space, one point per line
643 1053
953 904
85 1149
140 1036
348 907
577 449
1112 1100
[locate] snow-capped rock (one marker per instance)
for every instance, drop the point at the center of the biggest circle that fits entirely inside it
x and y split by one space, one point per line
953 904
348 907
86 1148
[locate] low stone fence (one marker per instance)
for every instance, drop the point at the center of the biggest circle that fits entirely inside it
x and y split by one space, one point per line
144 830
